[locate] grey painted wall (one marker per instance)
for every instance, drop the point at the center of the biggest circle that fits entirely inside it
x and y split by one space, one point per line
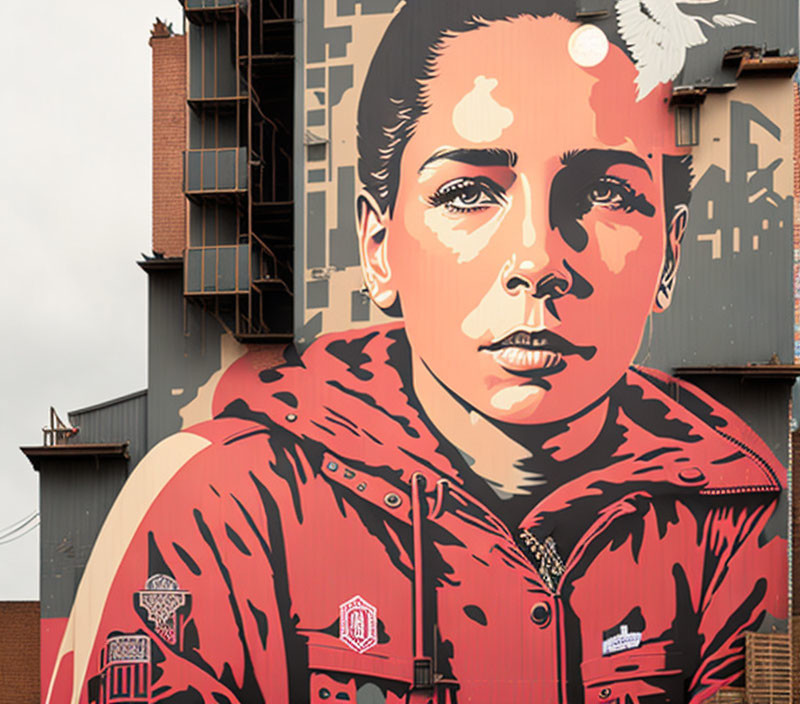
75 494
737 308
763 404
182 352
120 420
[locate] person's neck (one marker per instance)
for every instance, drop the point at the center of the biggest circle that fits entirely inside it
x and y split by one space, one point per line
503 454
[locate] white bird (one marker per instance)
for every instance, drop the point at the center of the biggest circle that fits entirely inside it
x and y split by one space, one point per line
658 34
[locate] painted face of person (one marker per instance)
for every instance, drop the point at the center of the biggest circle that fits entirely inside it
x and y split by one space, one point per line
528 239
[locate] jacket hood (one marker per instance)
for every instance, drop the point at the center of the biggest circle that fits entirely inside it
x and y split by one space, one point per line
350 393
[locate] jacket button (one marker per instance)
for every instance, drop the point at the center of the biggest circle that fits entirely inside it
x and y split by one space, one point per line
362 486
691 475
605 693
291 417
541 613
333 466
392 500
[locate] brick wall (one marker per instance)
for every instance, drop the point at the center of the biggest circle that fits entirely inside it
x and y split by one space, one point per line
169 138
796 268
19 652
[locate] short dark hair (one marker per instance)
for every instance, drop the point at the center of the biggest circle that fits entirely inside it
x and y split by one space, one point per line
392 98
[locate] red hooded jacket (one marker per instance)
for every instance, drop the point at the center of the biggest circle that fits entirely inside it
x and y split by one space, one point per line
325 543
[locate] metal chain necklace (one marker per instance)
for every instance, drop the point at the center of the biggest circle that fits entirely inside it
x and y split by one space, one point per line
545 558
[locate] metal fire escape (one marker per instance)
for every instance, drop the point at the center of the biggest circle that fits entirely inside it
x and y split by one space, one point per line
238 164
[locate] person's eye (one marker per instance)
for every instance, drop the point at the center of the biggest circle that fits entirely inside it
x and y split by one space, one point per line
468 195
613 194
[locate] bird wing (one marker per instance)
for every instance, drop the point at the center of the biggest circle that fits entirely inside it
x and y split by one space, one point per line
731 20
657 34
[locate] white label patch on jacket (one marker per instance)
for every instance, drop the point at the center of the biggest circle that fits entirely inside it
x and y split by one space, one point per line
358 624
624 640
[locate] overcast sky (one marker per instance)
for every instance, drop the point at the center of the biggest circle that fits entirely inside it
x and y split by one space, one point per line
75 208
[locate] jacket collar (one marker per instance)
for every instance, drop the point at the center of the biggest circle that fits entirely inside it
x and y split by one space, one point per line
350 393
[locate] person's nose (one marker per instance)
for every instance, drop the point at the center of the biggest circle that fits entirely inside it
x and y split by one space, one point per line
536 266
549 284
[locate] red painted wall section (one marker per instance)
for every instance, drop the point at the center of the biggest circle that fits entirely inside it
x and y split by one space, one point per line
51 629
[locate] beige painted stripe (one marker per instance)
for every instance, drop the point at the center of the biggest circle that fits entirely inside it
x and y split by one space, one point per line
140 491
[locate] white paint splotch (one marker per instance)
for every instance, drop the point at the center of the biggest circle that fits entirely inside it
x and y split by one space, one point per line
478 117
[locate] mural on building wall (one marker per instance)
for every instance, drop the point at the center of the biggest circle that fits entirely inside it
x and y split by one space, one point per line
464 490
746 199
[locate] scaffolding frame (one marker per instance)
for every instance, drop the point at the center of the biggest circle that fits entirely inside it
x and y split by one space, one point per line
258 307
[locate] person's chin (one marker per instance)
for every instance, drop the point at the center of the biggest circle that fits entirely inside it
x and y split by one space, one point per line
515 403
537 397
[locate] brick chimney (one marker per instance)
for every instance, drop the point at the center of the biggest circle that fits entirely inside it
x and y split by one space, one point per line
169 139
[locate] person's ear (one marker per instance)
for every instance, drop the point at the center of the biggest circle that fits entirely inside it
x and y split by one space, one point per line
666 286
373 244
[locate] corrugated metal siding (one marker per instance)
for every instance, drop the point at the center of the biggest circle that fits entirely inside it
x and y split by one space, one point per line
120 420
75 495
736 312
764 406
733 303
183 353
774 28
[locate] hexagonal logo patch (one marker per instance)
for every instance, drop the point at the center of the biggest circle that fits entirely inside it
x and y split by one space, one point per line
358 624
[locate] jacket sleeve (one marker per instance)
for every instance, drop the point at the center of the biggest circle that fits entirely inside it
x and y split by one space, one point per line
192 613
744 581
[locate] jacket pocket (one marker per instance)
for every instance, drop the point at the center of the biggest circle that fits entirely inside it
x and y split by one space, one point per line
634 678
338 674
337 658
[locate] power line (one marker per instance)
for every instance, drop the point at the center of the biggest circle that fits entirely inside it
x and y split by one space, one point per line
19 525
19 535
17 522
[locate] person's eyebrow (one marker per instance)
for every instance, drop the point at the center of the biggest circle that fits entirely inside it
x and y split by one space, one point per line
581 169
474 157
603 159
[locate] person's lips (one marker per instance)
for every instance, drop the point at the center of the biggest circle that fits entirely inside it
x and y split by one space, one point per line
540 352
